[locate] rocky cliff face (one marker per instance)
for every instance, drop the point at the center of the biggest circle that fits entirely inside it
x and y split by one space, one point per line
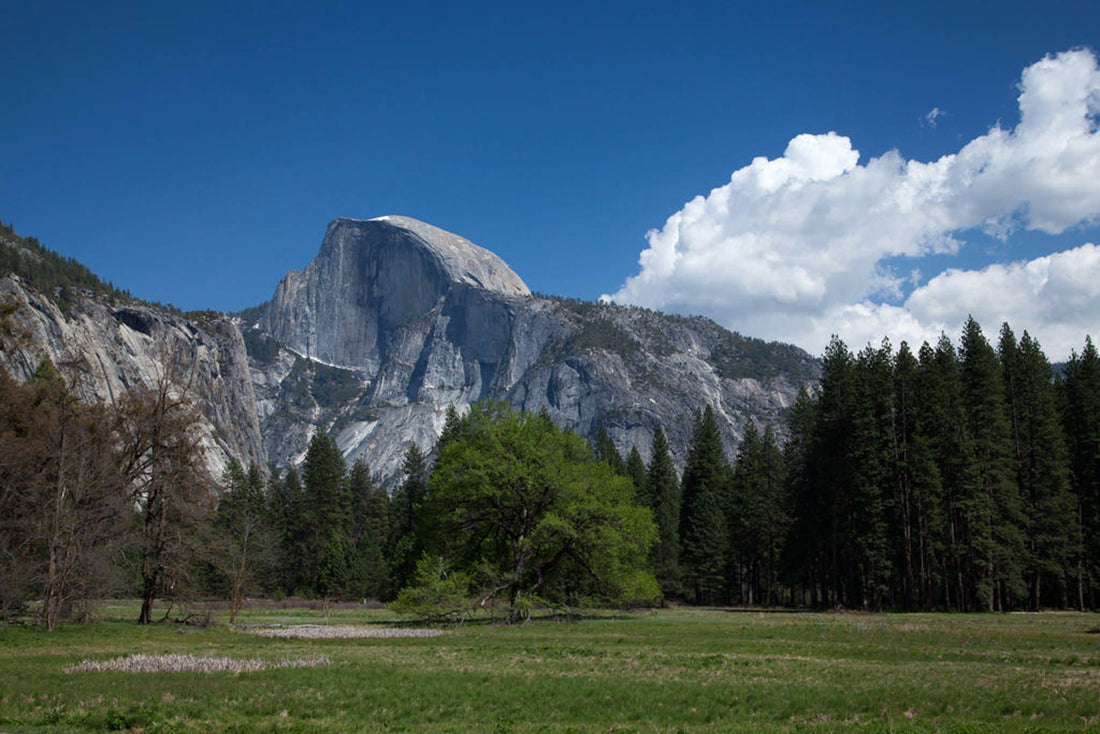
391 323
370 281
395 320
105 348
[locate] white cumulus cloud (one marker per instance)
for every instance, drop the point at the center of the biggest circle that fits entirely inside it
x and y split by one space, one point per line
794 248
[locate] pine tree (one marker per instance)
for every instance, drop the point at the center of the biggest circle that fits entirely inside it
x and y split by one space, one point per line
635 469
452 428
1042 474
1080 389
872 457
327 515
366 562
704 531
405 544
243 540
760 521
804 558
920 417
907 515
992 509
663 489
294 574
605 451
953 480
834 470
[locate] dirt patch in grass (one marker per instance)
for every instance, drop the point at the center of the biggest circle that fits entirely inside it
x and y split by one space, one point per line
318 632
189 664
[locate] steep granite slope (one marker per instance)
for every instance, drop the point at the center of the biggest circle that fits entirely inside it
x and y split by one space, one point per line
394 320
391 323
105 342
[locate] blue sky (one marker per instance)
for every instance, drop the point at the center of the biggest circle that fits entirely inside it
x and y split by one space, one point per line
193 153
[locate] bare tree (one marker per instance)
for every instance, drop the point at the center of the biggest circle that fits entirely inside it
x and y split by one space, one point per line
83 506
17 477
61 495
168 484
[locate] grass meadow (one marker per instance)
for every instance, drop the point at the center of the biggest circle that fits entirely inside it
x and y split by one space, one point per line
677 670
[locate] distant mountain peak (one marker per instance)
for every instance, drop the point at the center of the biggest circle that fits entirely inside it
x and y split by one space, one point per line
462 260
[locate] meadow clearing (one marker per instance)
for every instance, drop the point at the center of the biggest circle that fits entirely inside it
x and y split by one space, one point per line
674 670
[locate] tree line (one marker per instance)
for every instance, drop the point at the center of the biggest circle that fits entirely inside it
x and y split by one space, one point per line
957 478
513 512
99 500
954 478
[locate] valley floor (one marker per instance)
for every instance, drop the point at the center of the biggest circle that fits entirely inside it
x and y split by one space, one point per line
678 670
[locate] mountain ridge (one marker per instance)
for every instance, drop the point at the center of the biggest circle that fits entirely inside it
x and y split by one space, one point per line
394 320
452 341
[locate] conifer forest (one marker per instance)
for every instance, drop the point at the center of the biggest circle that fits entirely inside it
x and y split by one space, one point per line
957 477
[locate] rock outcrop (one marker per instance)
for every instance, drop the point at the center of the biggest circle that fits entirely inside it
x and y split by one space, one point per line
106 348
394 320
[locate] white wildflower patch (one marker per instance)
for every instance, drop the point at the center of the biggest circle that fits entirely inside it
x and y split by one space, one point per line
317 632
174 663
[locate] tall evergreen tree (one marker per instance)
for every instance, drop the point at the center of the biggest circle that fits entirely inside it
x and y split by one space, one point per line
605 451
920 422
1042 474
944 426
906 542
366 562
452 428
404 542
992 509
663 490
1080 389
804 558
327 516
834 470
704 531
635 469
293 576
243 539
872 457
760 520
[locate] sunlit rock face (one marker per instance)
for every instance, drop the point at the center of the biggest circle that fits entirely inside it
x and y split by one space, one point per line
373 278
392 322
104 348
395 320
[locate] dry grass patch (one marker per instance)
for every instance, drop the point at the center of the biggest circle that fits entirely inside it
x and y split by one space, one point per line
317 632
189 664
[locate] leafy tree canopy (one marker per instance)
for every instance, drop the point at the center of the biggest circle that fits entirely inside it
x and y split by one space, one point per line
524 508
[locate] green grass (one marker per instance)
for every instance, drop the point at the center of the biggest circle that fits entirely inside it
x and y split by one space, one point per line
670 671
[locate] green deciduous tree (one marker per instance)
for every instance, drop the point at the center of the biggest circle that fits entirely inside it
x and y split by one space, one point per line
522 506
